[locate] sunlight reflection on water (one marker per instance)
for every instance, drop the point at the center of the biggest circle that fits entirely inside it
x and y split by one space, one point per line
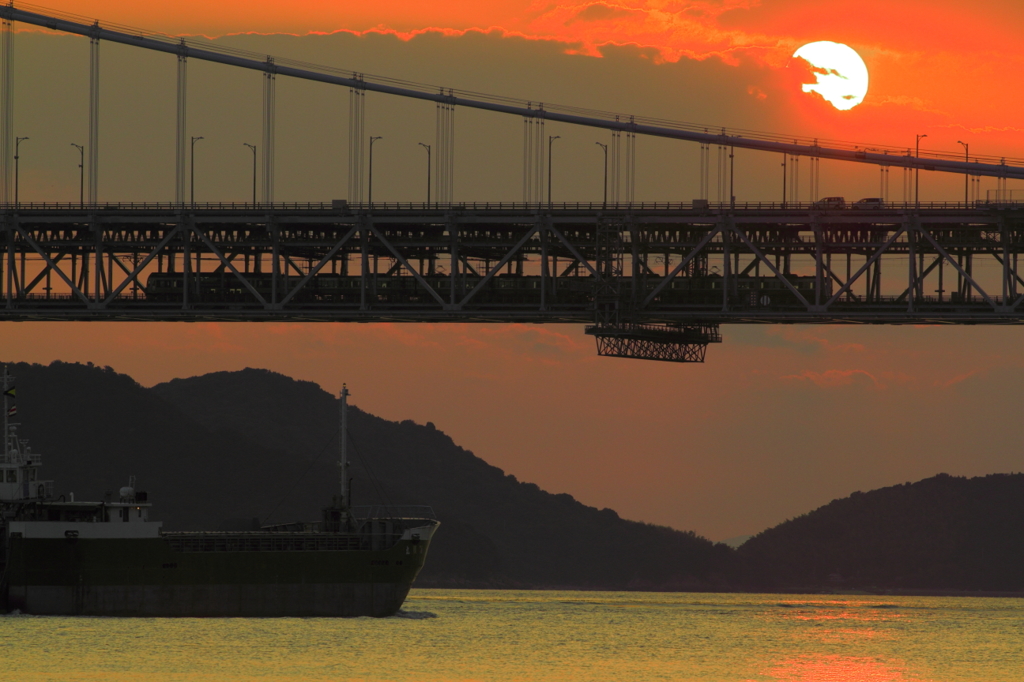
505 636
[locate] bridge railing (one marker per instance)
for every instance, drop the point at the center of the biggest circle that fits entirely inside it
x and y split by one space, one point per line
393 511
347 207
64 300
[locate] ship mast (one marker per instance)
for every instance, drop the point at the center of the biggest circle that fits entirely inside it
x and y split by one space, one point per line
343 449
7 426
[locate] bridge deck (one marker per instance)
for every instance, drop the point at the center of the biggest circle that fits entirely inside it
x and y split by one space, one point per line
664 263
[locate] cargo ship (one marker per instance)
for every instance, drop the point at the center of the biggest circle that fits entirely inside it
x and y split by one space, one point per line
59 556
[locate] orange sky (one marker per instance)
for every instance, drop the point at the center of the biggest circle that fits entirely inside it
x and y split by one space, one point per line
780 419
939 63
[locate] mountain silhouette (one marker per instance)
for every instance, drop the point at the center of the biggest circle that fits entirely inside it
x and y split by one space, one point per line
220 450
942 533
231 450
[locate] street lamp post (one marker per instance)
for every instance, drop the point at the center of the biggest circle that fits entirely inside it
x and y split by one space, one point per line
785 158
369 197
17 146
427 147
193 170
81 174
551 141
732 177
967 174
917 172
604 203
253 148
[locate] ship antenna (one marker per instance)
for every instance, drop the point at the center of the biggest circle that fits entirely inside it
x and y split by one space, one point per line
7 427
343 449
5 453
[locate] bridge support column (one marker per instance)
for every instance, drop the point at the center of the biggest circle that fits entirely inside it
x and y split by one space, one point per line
8 284
453 232
186 259
542 228
638 265
97 294
819 265
275 266
1009 285
726 263
364 263
912 263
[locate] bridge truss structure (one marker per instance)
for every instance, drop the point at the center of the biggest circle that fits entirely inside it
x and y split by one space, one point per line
651 281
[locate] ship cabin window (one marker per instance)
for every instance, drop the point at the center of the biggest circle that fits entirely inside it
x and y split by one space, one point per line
12 475
124 513
30 474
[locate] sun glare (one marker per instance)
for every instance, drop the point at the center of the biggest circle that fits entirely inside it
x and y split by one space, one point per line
842 76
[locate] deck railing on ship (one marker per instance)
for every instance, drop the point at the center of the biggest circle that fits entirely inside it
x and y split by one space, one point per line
393 511
262 542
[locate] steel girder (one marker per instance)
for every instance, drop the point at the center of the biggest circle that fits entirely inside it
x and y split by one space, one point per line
468 264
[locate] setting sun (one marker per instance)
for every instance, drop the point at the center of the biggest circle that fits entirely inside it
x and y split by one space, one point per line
842 76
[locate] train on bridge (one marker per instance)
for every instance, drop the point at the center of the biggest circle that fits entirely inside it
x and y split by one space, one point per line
502 290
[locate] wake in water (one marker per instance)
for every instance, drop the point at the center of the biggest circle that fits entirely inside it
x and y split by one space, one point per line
415 615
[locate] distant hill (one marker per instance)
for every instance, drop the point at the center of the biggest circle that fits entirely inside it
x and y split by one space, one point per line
224 448
942 533
219 450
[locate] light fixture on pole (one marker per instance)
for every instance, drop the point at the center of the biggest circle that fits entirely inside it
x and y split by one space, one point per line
967 174
551 141
17 147
81 174
732 177
193 170
603 146
917 172
369 197
427 147
785 159
253 148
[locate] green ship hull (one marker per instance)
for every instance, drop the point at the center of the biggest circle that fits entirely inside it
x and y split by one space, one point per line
213 575
62 557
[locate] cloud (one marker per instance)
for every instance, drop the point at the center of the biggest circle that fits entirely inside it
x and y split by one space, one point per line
835 378
803 341
533 342
959 378
601 12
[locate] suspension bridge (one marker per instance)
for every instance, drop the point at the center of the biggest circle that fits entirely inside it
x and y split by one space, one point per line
652 280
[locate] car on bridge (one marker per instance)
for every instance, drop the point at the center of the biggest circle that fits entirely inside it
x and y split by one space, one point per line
830 202
870 203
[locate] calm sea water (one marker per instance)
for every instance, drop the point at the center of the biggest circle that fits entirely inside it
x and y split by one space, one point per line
448 635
